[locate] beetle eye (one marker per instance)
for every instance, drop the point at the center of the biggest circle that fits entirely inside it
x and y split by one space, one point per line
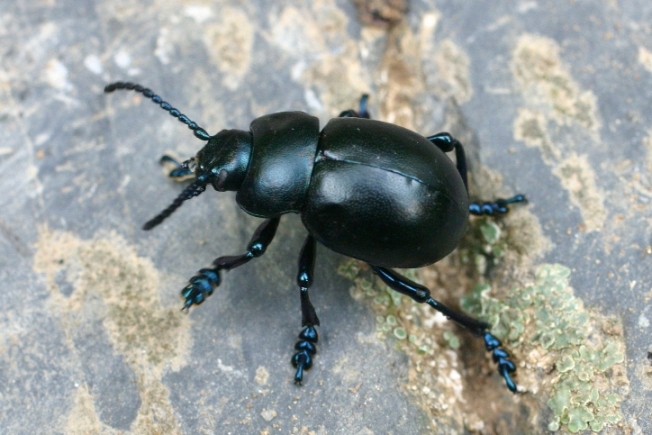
221 179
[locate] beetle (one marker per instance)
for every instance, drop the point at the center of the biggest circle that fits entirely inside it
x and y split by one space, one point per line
364 188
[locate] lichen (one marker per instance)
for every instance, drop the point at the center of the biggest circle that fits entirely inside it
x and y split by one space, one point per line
552 328
569 358
390 306
486 246
433 371
113 283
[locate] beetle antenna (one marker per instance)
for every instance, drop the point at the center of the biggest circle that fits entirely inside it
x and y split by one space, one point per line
197 187
199 132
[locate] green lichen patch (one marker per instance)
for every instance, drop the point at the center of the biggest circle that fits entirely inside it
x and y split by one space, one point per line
486 246
580 355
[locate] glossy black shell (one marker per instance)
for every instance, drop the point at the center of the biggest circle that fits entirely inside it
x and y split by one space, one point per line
281 163
364 188
384 194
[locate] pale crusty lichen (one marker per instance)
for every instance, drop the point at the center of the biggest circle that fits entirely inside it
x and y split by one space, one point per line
542 75
573 356
567 356
112 282
553 98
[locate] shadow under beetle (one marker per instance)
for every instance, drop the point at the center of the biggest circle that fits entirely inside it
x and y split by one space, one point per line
366 189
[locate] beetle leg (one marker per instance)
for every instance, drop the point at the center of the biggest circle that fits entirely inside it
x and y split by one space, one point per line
362 111
206 280
499 206
445 142
305 347
421 294
180 171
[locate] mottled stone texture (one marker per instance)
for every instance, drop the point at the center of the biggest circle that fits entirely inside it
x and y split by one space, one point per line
551 98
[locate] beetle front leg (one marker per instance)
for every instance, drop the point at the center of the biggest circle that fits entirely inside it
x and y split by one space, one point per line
305 347
180 170
206 280
421 294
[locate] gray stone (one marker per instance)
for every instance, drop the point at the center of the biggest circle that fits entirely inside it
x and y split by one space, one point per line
552 96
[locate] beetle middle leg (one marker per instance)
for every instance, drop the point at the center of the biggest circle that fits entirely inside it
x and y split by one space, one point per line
362 111
206 280
492 208
421 294
446 143
305 347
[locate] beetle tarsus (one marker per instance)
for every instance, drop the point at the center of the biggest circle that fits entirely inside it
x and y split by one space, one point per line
306 348
501 358
201 286
497 207
206 280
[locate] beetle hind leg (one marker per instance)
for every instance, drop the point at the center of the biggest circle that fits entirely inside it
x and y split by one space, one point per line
421 294
306 346
206 280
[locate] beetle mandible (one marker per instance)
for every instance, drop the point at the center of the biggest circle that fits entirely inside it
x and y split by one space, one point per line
364 188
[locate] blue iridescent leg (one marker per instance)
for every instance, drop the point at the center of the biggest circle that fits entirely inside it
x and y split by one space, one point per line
501 358
206 280
497 207
180 171
362 111
421 294
306 346
447 143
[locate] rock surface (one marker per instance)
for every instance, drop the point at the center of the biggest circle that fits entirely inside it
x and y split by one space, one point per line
551 99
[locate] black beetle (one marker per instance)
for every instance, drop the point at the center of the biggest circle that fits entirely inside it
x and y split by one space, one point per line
366 189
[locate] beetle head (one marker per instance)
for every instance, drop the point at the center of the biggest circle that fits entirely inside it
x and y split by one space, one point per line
222 162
